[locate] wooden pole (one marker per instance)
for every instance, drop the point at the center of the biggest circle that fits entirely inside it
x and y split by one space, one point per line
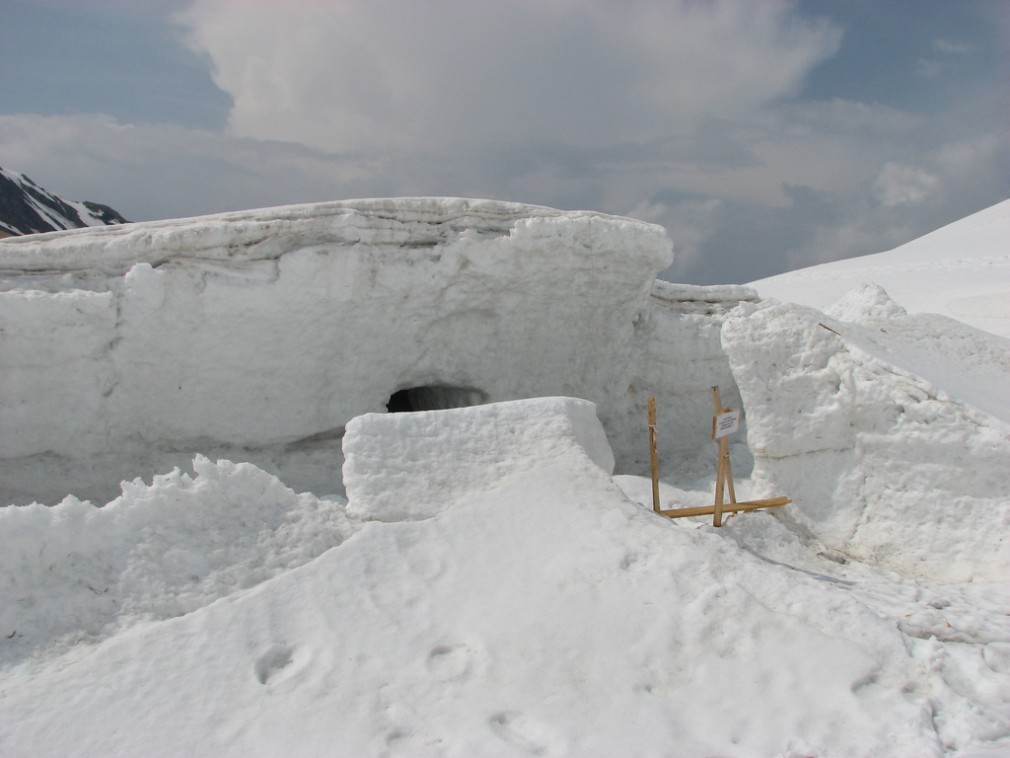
721 429
720 470
653 453
708 510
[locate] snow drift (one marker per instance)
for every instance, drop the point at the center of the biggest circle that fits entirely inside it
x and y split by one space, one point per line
537 612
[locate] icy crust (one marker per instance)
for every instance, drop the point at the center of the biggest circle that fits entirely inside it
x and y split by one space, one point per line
74 572
853 422
442 456
273 327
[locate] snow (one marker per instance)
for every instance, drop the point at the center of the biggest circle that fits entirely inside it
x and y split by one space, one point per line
882 463
961 270
485 444
154 338
488 586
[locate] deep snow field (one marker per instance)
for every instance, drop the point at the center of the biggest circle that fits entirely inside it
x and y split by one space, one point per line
488 586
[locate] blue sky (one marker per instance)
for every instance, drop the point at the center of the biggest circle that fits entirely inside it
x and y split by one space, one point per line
765 135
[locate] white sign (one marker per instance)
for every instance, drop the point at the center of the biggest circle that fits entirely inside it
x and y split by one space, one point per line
726 423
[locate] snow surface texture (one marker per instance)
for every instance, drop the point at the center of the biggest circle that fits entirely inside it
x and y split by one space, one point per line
859 422
261 334
538 612
73 572
971 255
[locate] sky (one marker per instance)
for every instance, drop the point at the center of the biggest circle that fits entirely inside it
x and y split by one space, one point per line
765 135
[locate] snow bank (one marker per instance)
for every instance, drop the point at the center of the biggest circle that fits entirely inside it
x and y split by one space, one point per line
890 433
273 328
678 357
961 270
74 572
410 466
543 614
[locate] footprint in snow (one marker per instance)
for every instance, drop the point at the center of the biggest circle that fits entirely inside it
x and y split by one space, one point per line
527 734
272 662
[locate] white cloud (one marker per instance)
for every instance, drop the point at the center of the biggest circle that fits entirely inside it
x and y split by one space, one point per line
389 75
952 48
903 185
179 171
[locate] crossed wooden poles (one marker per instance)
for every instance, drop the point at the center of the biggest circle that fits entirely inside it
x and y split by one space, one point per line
724 422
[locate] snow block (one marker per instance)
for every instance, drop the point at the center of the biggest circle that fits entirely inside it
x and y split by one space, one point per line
409 466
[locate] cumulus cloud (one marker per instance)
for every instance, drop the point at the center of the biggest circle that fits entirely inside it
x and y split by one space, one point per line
903 185
389 75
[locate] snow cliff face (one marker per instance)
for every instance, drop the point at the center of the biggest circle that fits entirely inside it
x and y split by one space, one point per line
27 208
890 432
269 330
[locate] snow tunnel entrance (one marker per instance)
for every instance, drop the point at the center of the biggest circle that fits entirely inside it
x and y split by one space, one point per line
434 397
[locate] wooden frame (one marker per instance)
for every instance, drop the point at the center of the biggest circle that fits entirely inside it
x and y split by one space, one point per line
723 477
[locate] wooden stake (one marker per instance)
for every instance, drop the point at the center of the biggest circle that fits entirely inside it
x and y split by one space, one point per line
723 471
653 453
720 469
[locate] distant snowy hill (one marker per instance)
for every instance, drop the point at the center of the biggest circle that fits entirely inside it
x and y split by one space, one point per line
961 270
27 208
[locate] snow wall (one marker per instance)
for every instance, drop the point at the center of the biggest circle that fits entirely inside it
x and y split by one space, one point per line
882 429
258 335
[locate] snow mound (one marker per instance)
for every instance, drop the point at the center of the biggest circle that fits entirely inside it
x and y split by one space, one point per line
890 436
413 465
869 302
543 615
73 572
961 271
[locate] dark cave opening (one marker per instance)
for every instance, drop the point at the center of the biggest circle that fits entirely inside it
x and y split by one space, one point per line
434 397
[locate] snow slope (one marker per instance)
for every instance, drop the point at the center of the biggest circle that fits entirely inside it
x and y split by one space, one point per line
961 270
538 613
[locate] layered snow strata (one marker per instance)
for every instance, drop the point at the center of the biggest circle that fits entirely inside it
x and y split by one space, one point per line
870 428
276 326
409 466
